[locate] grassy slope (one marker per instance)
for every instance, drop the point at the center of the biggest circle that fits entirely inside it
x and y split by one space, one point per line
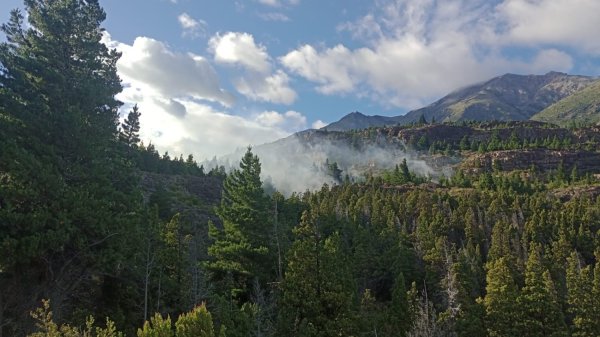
582 106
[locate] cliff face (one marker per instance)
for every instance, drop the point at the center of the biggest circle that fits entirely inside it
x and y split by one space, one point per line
542 159
482 133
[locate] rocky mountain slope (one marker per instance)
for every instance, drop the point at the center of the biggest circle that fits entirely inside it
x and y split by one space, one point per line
581 107
357 120
507 97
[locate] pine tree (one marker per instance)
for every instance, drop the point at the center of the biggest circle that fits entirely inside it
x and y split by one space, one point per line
196 323
425 321
46 327
242 248
316 292
157 327
130 128
538 301
73 201
501 300
404 172
399 311
583 291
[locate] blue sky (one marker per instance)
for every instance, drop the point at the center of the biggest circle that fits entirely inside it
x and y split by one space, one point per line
211 76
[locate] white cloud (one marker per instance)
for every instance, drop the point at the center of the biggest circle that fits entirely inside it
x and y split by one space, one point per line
291 121
279 3
149 65
273 3
239 48
191 27
329 68
318 124
259 82
417 50
551 60
274 16
555 22
170 89
204 131
272 88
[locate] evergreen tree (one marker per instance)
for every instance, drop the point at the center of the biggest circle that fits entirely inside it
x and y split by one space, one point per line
71 202
538 302
425 321
583 286
241 249
174 259
501 300
196 323
404 172
399 311
157 327
316 292
130 128
46 327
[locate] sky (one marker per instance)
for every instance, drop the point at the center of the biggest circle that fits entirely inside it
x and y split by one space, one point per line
213 76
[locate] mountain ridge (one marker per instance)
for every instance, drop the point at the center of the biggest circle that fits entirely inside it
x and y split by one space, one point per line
580 107
506 97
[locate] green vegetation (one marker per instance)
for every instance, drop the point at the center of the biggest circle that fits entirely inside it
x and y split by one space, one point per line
103 226
581 108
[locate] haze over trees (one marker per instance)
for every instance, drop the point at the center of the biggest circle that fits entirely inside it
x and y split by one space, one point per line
102 236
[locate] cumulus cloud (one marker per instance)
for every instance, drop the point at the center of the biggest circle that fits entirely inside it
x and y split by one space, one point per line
151 66
411 55
174 92
191 27
271 88
240 48
318 124
330 68
204 132
414 51
553 22
259 82
170 106
291 121
552 59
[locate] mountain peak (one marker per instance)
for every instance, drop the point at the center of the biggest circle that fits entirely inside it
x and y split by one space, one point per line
505 97
556 73
358 120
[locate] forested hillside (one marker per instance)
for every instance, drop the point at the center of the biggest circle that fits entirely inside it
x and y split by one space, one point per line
102 236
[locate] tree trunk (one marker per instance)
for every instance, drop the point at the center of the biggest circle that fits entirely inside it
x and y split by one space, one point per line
146 281
1 313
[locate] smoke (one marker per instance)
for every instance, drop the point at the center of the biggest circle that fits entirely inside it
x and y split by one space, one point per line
303 161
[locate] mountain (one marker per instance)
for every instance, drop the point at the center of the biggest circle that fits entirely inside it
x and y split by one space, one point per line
580 107
357 120
507 97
